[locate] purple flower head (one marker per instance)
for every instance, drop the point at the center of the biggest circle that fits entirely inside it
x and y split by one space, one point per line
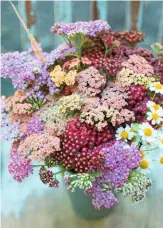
90 28
35 126
103 198
119 154
19 168
19 67
9 131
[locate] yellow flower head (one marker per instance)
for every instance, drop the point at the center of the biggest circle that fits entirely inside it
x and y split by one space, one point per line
70 77
57 76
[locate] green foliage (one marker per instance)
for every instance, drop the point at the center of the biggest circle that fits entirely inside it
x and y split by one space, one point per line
82 181
36 102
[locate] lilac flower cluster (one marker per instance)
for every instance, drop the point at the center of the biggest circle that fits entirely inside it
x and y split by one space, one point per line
120 159
9 131
90 28
35 126
103 198
19 66
17 167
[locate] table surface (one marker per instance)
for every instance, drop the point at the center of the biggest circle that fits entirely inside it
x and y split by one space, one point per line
31 204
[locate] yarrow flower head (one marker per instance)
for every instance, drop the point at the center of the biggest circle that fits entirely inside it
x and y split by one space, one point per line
17 167
89 28
39 146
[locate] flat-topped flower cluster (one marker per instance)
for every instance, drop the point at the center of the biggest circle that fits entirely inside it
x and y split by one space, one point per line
93 108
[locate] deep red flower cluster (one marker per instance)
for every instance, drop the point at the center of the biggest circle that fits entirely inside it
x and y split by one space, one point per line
137 93
132 36
78 142
110 64
46 176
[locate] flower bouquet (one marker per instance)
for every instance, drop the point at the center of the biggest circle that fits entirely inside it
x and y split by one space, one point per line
92 107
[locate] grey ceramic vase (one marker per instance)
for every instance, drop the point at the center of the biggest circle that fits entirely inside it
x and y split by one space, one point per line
83 207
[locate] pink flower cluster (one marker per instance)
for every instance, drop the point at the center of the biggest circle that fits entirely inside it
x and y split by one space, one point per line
91 82
138 65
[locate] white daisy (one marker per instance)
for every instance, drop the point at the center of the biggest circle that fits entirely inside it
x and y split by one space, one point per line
157 87
147 133
124 133
160 159
153 106
160 140
155 117
146 164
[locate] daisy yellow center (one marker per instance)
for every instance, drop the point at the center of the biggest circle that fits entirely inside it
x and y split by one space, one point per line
142 154
158 86
147 132
161 160
144 164
155 107
124 134
161 141
155 116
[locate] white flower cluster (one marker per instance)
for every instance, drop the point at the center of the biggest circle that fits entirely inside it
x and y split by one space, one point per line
82 181
71 103
136 187
97 116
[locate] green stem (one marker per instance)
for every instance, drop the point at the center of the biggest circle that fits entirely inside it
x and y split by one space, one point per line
38 165
62 171
151 149
153 96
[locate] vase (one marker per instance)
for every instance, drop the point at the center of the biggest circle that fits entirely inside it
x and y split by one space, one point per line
82 205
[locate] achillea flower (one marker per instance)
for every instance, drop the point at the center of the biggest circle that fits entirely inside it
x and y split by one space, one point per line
77 140
115 96
11 101
120 154
59 77
90 28
39 146
138 65
17 103
9 129
70 78
120 159
46 176
127 77
132 36
35 126
19 67
103 198
55 121
17 167
141 79
124 116
22 108
97 116
102 115
91 81
69 104
136 187
75 62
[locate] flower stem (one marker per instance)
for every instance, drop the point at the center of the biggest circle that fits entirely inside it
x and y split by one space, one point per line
152 149
153 96
62 171
38 165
